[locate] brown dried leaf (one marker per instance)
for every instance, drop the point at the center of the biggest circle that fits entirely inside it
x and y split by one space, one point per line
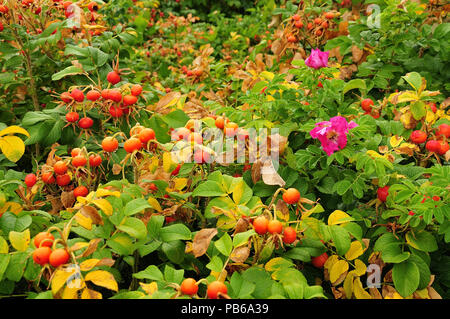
375 293
201 241
433 293
67 199
92 213
91 248
357 54
166 99
116 169
282 207
445 103
338 293
256 171
240 254
269 174
241 226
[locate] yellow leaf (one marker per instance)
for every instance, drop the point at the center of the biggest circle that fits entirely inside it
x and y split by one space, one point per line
83 221
348 285
90 294
78 246
431 117
168 162
355 250
395 141
404 96
180 183
373 154
4 249
12 147
104 205
238 191
12 207
339 217
360 267
331 261
20 241
267 75
395 295
14 129
181 101
70 293
154 163
423 293
149 288
359 291
59 279
101 192
155 204
89 264
102 278
337 270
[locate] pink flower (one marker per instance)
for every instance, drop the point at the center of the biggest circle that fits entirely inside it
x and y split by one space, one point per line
333 133
317 59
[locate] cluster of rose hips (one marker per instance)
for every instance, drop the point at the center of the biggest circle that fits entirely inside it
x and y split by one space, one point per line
262 225
438 144
140 138
189 287
191 73
117 102
44 254
63 171
316 26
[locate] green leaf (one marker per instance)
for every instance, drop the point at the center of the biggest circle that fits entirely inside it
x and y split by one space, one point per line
134 227
298 254
242 238
424 271
392 253
172 275
4 261
135 206
216 264
174 250
354 84
121 243
241 288
414 79
10 222
406 277
16 266
342 187
224 245
341 239
151 272
209 189
175 232
71 70
176 118
154 225
311 292
418 110
422 240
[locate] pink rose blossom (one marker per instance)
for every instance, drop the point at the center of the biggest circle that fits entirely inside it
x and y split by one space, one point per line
317 59
333 133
